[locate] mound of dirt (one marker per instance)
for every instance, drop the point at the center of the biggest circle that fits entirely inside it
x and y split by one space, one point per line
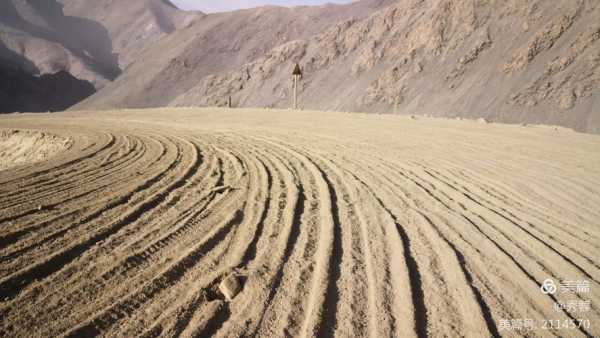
19 147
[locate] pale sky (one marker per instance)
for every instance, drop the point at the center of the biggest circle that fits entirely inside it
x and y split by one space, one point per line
210 6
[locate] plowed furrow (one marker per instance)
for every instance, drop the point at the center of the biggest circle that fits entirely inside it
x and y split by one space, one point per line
507 242
260 204
32 175
138 272
553 217
411 272
485 308
541 236
353 272
426 240
540 187
62 184
445 200
166 279
11 285
285 277
112 205
70 205
468 320
119 175
276 238
309 265
195 264
335 225
231 251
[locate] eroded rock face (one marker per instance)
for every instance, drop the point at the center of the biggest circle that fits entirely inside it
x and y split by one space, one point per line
92 40
542 41
223 45
512 61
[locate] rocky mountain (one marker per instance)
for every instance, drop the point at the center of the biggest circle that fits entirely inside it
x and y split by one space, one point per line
217 44
88 42
92 40
509 61
131 26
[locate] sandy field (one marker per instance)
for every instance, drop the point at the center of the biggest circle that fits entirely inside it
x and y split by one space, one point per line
334 224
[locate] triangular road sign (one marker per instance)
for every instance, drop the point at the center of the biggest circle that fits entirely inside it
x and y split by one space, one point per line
297 70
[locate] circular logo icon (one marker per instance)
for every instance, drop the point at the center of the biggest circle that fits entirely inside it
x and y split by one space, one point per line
548 287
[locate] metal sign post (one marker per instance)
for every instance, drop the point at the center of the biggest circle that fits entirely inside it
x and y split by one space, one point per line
297 75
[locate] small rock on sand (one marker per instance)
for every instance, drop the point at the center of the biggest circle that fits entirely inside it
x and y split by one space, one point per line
230 286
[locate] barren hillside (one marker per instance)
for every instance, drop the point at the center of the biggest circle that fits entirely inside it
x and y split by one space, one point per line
92 40
514 61
131 25
509 61
216 44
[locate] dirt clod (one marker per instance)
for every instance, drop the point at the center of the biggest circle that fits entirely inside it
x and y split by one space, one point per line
230 287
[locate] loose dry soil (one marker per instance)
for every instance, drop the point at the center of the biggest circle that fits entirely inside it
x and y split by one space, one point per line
19 147
333 224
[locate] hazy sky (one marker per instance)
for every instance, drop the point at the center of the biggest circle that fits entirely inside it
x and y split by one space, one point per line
209 6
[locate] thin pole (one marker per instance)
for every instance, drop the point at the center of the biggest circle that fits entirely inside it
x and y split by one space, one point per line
295 92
